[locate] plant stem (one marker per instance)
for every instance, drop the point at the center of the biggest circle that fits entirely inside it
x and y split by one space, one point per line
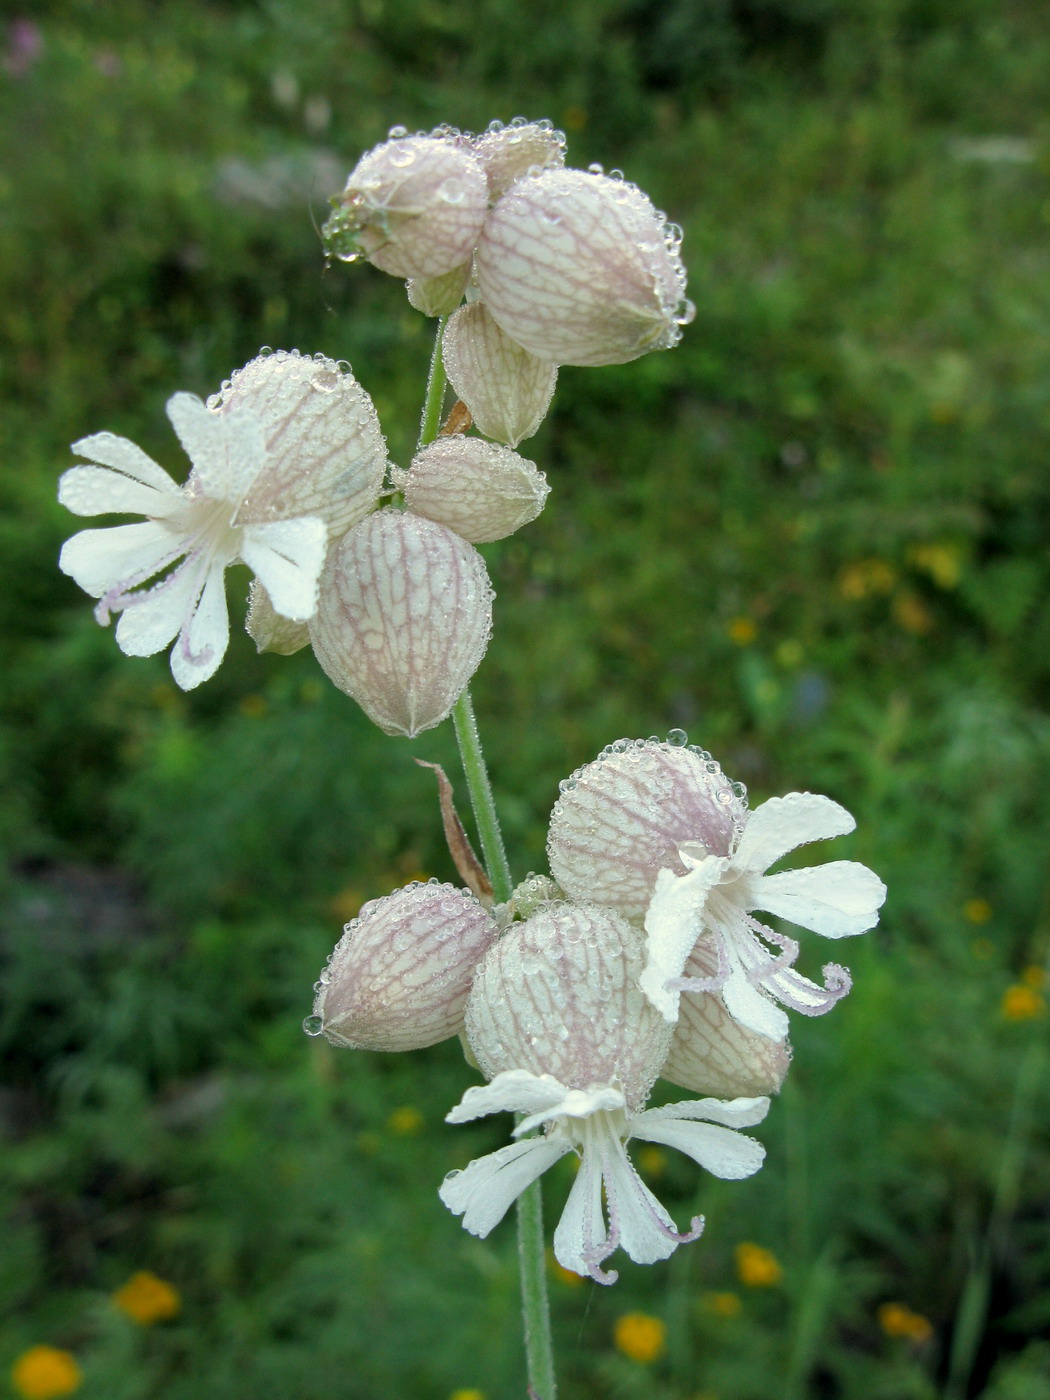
481 800
532 1259
435 395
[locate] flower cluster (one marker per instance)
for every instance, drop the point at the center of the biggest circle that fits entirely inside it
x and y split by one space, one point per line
639 959
559 266
373 565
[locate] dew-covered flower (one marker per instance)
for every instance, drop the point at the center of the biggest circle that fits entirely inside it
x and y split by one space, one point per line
507 390
413 206
398 978
579 268
404 618
290 449
556 1020
478 489
658 832
508 152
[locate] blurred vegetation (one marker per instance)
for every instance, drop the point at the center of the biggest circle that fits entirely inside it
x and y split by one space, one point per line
814 536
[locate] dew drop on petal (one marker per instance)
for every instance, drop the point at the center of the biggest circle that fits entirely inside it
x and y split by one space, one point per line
313 1025
397 132
677 738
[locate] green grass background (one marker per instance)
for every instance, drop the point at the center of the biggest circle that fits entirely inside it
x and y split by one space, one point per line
849 451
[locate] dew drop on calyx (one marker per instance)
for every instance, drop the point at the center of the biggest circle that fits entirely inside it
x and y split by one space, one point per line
397 132
313 1025
677 738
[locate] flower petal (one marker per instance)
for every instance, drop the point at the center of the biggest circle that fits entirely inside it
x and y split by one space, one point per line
513 1091
202 644
120 556
746 1004
783 823
226 449
151 617
99 491
581 1239
673 923
486 1189
287 557
637 1220
838 899
720 1151
743 1112
109 450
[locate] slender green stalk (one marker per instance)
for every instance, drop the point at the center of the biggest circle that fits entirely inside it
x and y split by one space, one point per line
532 1259
481 800
435 395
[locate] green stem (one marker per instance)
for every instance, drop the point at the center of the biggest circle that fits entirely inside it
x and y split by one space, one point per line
481 799
435 395
532 1259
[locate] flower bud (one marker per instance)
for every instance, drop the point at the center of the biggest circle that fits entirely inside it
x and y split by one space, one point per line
507 390
439 296
268 629
399 976
621 819
508 152
403 620
413 207
580 269
325 452
711 1053
559 995
478 489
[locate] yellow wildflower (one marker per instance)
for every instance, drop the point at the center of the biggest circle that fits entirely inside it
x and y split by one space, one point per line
147 1299
640 1336
44 1373
722 1304
757 1267
469 1394
896 1320
742 631
912 614
941 561
405 1122
865 578
1022 1003
977 911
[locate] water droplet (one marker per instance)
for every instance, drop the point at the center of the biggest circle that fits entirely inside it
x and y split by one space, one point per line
326 380
677 738
596 169
313 1025
397 132
685 312
402 156
451 191
349 257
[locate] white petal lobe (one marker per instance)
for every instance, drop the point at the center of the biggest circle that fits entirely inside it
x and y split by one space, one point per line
783 823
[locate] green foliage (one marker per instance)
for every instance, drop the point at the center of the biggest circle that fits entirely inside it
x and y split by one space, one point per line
814 536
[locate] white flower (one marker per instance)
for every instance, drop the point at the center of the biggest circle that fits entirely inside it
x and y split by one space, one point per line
556 1020
715 899
290 448
656 831
596 1124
